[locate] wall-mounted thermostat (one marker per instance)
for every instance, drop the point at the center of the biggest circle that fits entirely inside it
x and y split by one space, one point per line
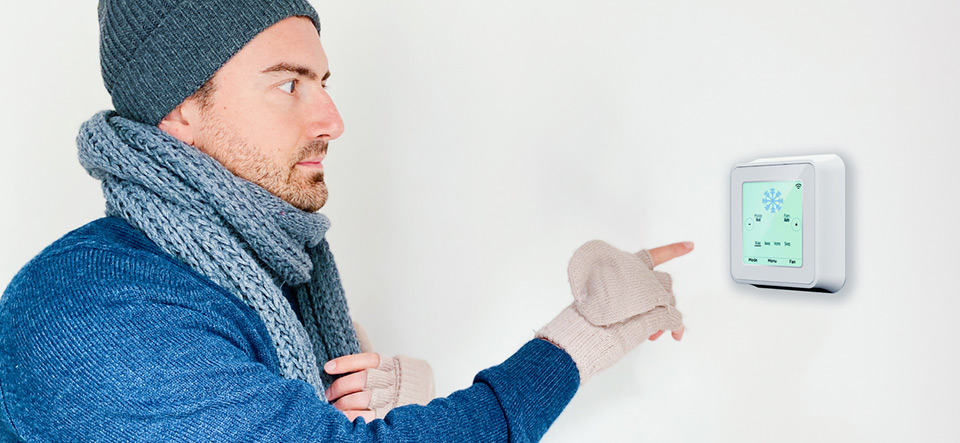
787 223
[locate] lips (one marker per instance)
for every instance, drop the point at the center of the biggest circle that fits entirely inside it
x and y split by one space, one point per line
313 161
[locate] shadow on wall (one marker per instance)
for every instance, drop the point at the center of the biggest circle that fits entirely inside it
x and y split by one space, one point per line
852 242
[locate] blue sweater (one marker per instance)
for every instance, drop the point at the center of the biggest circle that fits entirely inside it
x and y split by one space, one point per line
104 337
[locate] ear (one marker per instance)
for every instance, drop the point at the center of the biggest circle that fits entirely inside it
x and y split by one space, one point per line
182 122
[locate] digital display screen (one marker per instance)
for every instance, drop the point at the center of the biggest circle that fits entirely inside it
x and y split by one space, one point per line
772 225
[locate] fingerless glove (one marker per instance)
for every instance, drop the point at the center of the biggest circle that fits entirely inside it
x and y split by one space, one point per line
619 301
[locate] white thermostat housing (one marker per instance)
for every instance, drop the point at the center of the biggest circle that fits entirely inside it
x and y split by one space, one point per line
787 223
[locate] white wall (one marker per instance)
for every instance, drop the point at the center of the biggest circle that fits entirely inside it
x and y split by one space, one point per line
487 140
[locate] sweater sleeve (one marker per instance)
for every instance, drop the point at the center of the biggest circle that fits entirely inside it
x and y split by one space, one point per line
104 345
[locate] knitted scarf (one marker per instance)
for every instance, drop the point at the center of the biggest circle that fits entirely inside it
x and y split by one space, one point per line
231 230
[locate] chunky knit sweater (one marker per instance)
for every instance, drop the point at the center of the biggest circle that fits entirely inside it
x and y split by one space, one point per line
104 337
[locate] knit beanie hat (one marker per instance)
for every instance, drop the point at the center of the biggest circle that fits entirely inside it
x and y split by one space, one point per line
156 53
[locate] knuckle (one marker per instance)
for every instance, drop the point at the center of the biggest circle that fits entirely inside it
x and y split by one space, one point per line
335 388
346 402
356 381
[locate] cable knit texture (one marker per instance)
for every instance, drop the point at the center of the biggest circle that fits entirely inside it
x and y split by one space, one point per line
229 229
619 301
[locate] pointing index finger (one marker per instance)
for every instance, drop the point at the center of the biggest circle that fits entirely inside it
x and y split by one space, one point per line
665 253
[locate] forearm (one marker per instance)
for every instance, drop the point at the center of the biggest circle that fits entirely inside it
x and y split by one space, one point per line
147 364
515 401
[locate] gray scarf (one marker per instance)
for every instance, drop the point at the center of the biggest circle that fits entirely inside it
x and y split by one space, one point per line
229 229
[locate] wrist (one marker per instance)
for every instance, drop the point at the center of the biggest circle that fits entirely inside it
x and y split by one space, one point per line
415 378
589 346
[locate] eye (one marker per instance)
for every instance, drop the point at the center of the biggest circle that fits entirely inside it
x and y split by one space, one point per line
288 87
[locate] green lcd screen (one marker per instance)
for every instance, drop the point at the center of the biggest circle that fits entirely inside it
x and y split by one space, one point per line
772 225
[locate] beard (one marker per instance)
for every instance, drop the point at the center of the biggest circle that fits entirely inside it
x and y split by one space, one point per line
302 188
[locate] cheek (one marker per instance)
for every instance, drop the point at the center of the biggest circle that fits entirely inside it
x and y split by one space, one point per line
280 143
274 134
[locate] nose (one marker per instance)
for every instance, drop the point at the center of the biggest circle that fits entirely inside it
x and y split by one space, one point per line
325 122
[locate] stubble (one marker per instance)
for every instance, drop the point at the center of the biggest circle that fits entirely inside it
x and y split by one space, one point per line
302 188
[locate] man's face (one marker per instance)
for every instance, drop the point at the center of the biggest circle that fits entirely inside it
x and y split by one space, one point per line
269 118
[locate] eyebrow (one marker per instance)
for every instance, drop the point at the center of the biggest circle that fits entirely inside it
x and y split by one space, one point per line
299 69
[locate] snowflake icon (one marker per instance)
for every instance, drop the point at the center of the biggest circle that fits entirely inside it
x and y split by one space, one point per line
772 200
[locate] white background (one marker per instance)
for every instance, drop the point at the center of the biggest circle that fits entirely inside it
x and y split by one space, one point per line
486 141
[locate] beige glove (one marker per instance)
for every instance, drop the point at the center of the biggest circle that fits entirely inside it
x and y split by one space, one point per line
619 301
397 381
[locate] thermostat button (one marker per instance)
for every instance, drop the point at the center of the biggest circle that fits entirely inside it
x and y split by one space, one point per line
795 224
748 225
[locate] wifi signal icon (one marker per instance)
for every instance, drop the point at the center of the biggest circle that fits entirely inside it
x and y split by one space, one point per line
798 185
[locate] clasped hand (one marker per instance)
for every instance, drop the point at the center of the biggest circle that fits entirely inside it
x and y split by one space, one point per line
373 385
349 393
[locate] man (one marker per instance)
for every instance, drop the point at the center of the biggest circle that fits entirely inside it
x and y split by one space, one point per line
207 305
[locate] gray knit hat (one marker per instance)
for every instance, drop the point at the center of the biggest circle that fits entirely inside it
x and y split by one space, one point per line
156 53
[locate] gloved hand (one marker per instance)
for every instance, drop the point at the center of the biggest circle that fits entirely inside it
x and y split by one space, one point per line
399 381
373 384
619 301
